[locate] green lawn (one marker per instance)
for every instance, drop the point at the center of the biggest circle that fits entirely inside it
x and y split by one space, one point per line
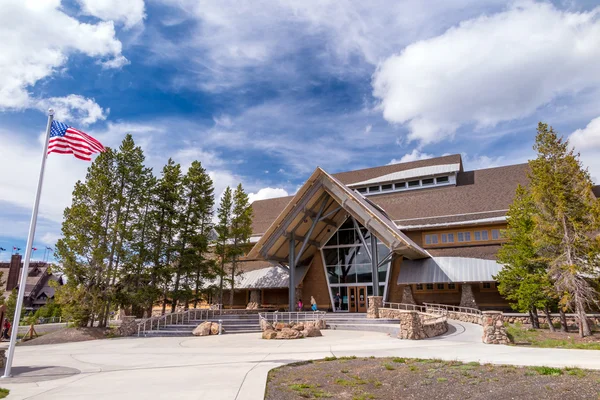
541 338
4 393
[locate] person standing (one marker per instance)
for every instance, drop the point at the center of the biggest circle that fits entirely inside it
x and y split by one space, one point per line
336 301
300 305
313 303
5 329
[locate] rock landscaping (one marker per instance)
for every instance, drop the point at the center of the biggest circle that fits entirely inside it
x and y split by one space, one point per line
207 328
401 378
293 330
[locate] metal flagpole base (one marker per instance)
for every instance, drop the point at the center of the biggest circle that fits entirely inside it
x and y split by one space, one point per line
6 376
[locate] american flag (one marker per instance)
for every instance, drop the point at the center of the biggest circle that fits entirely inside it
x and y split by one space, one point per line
67 140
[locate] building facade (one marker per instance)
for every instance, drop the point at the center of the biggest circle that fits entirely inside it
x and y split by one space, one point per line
422 231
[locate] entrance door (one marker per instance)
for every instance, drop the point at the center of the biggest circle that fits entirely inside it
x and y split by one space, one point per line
357 301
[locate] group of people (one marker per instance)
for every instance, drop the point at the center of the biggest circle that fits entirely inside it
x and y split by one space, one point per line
337 300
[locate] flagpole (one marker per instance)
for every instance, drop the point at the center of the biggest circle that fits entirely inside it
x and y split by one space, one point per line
25 270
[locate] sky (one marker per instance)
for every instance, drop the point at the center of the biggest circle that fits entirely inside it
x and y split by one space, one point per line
263 92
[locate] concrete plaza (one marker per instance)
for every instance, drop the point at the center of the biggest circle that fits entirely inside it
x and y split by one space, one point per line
234 366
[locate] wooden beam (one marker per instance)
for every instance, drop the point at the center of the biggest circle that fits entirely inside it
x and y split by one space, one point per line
299 238
312 215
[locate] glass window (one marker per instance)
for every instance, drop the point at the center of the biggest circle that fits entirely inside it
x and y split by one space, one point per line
429 286
495 234
419 286
400 185
440 286
373 189
442 179
348 274
467 236
346 236
431 239
362 190
427 239
428 181
461 237
451 286
444 238
333 274
451 238
363 273
487 285
362 257
387 187
413 183
477 235
331 256
484 235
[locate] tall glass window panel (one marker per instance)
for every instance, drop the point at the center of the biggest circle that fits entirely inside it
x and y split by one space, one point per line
333 274
348 274
484 235
363 273
346 236
331 256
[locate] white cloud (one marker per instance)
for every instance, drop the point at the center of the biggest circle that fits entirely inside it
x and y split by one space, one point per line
483 161
267 193
38 39
587 142
129 12
490 69
74 108
412 156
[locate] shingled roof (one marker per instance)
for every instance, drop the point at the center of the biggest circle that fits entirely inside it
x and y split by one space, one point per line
483 194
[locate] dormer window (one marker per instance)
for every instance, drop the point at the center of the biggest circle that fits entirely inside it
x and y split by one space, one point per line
373 189
362 190
387 188
400 185
413 183
427 182
442 179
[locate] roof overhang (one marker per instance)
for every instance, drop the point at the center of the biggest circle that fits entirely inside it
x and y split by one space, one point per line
421 172
448 270
319 207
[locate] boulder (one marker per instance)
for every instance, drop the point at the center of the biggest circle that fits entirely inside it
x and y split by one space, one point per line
311 332
280 326
214 328
287 333
203 329
269 334
265 325
298 327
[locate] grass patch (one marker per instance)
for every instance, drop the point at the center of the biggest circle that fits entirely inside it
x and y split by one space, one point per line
389 367
576 372
517 334
440 380
547 371
4 393
399 360
310 391
413 368
363 396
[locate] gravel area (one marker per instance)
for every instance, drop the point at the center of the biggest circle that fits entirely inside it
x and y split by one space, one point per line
399 378
68 335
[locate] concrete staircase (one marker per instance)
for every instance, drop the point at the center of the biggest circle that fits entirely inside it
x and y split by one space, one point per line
249 323
232 323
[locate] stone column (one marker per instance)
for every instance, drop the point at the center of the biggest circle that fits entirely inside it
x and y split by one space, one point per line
407 295
375 302
466 297
493 328
410 326
254 302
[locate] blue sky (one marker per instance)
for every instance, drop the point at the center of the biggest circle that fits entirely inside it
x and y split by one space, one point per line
262 92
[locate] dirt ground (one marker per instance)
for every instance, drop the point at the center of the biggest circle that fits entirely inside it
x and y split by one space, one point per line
399 378
68 335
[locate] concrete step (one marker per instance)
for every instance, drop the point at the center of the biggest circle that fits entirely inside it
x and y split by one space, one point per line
384 328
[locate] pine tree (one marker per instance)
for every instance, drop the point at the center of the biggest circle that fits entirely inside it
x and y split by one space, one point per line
568 215
194 226
241 229
223 229
164 221
523 280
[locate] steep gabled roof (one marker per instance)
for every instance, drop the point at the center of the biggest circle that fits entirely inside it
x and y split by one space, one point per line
327 201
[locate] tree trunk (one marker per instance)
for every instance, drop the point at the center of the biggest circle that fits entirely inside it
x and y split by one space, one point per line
231 294
564 327
584 326
533 316
549 319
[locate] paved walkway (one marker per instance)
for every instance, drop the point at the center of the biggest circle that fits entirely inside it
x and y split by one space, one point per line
233 366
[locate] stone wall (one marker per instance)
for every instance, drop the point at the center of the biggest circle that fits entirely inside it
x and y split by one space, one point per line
572 320
375 303
416 326
464 317
407 295
128 327
493 328
467 299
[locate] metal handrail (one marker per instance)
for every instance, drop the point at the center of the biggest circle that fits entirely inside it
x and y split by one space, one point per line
465 310
292 316
404 306
178 316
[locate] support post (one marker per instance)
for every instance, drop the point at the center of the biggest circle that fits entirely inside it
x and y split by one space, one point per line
292 272
375 265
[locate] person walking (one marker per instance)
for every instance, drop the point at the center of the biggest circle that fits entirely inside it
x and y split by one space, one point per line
313 303
336 302
5 329
300 304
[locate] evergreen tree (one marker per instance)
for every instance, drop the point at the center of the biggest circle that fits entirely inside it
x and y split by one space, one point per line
194 226
241 229
567 217
223 229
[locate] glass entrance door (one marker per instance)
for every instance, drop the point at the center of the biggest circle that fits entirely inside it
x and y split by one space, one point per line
357 299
